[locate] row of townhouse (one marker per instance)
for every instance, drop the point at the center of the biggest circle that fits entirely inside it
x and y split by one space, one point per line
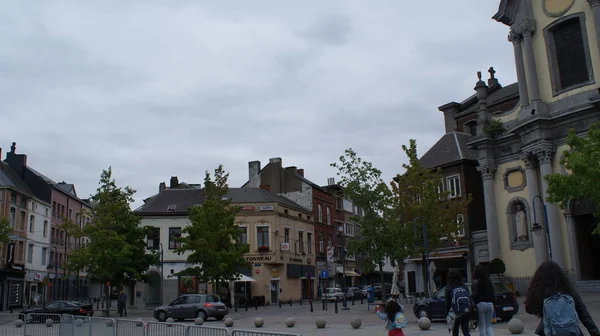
31 267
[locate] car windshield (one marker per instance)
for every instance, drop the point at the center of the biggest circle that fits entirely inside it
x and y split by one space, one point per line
501 288
213 298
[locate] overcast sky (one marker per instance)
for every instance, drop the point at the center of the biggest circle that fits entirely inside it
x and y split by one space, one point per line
162 88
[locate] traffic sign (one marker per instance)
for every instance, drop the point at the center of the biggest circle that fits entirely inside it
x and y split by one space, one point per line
324 274
13 237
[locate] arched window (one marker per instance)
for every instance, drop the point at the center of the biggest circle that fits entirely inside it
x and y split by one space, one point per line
519 224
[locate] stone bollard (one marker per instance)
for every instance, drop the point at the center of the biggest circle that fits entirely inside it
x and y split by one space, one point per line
259 322
199 321
424 323
79 322
229 322
321 323
515 326
139 322
290 322
355 322
19 323
110 323
49 322
170 320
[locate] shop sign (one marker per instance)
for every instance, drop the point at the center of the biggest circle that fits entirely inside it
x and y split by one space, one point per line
266 208
247 208
296 260
261 258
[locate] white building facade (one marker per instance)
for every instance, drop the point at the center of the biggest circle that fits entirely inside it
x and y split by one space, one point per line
37 252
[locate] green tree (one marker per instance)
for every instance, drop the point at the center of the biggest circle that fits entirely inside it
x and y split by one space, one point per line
5 231
419 202
116 252
583 162
379 234
211 239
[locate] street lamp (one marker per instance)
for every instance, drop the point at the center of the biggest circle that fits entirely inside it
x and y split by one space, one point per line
536 228
426 246
343 255
162 275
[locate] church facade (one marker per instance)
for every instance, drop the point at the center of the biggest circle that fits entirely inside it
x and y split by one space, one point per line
519 133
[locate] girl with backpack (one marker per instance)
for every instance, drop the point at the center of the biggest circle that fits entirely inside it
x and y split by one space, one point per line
394 317
458 302
551 297
483 296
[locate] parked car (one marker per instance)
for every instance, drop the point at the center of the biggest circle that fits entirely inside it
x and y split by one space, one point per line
364 290
353 293
505 304
377 289
54 309
334 294
192 306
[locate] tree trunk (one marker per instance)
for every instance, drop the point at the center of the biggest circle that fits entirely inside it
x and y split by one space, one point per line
382 278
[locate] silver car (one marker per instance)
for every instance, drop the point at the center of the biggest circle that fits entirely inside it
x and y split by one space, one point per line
191 306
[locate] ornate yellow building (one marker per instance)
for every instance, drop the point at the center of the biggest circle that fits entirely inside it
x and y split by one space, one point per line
519 134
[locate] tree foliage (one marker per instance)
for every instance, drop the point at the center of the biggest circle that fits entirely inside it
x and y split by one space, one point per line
215 254
583 163
418 200
5 231
117 248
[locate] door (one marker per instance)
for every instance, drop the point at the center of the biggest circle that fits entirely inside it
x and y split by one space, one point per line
412 282
178 307
275 291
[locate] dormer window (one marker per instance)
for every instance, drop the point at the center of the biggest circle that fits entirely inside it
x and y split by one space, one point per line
171 208
568 53
470 127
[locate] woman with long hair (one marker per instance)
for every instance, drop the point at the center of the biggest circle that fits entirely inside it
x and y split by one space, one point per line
483 295
455 280
548 281
394 317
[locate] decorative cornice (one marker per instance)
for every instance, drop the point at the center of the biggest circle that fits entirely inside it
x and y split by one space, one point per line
527 28
594 3
515 38
544 154
487 170
529 159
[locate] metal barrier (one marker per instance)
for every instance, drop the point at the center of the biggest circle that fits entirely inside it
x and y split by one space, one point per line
41 324
11 329
165 329
103 326
205 331
130 328
260 333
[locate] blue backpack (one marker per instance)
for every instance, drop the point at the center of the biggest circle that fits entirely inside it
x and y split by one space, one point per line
560 316
399 321
461 301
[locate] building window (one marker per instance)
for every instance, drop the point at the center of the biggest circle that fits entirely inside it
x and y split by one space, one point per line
243 238
320 213
286 235
20 255
70 214
301 241
568 53
54 211
262 236
45 228
44 254
328 215
13 197
321 242
460 222
453 186
309 242
329 241
23 221
30 253
13 215
153 238
174 235
31 223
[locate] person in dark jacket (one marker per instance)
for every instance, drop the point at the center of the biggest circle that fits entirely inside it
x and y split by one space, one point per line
550 279
455 280
483 296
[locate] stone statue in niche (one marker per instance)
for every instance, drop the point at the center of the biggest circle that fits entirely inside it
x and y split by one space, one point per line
521 223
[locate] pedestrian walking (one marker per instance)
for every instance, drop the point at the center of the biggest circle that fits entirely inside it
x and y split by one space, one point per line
122 304
458 303
394 318
483 297
552 297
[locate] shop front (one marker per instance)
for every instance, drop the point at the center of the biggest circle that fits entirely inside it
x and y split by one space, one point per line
35 288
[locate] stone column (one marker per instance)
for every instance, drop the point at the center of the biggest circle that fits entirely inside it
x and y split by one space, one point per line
572 236
544 156
488 171
540 244
596 10
516 40
533 87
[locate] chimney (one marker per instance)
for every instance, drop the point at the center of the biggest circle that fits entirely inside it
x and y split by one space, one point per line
161 187
275 160
450 111
300 172
331 181
174 182
17 162
254 174
289 175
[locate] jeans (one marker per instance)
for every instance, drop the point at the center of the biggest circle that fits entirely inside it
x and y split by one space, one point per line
485 310
462 323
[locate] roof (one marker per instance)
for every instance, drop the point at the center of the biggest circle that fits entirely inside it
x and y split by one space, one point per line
451 148
67 187
8 178
184 199
497 95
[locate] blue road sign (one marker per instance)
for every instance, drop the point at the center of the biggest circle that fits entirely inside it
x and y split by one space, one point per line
324 274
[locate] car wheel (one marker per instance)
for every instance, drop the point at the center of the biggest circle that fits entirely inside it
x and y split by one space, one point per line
422 312
201 314
161 316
